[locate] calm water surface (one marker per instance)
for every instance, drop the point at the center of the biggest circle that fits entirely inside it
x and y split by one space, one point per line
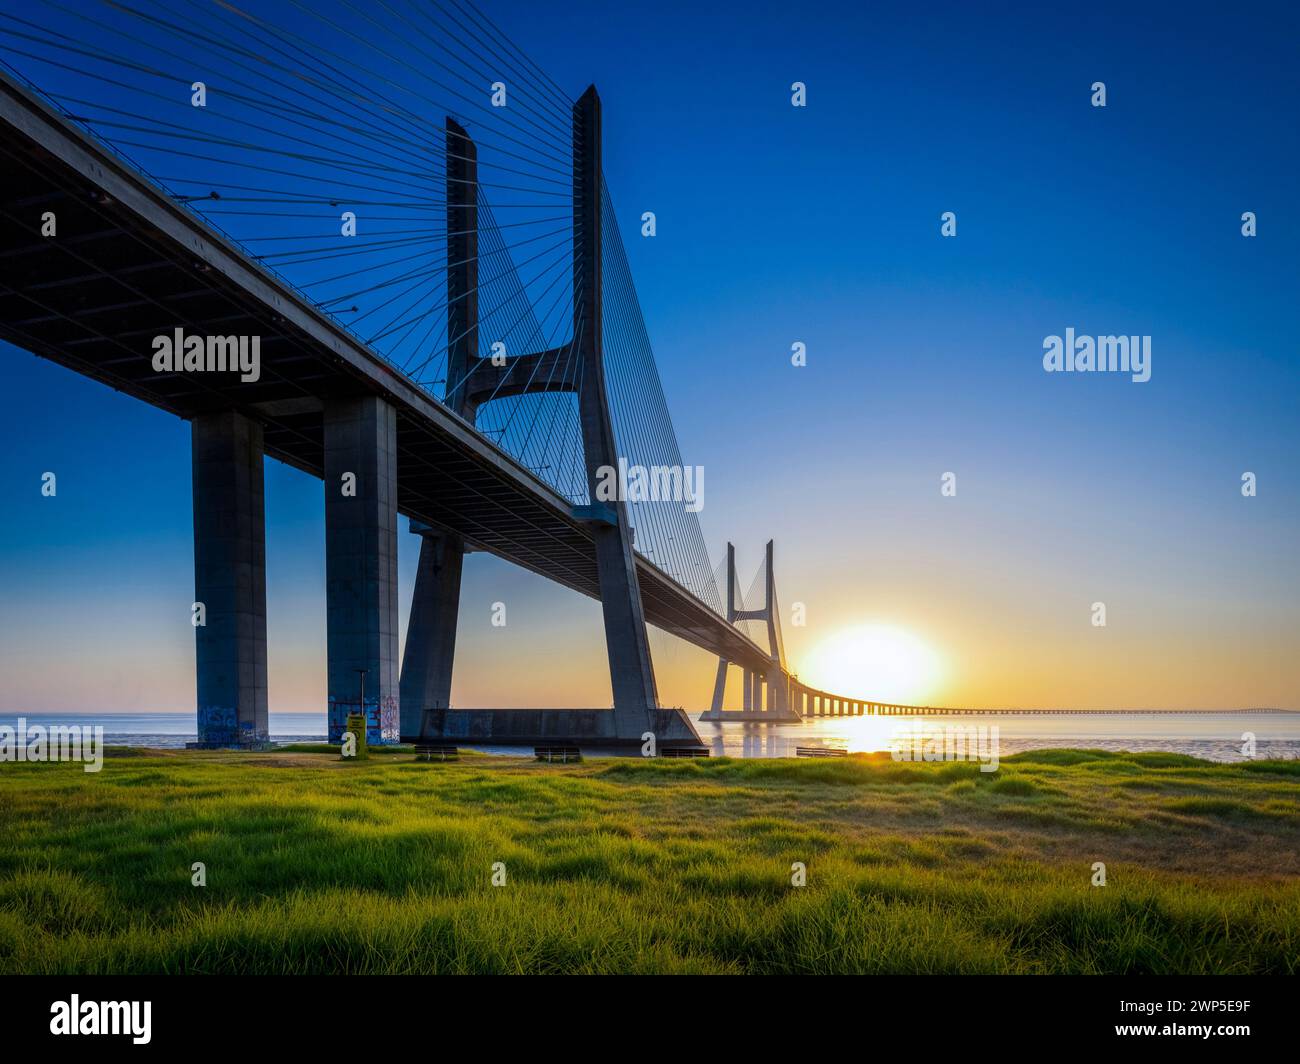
1215 736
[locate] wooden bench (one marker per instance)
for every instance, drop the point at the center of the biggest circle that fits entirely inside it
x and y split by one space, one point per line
683 751
432 752
819 751
562 754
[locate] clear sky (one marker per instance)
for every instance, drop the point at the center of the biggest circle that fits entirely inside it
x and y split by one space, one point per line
821 225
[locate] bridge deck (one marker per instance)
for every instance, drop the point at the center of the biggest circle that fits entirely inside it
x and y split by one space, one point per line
130 264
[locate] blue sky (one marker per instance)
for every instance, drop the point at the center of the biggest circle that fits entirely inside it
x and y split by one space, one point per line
821 224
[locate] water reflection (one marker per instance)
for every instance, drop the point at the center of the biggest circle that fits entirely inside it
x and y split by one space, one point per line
1216 736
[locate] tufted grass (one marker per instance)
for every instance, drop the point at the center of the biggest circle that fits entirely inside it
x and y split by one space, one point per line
315 865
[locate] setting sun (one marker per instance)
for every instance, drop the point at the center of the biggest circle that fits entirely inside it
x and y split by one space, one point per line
877 662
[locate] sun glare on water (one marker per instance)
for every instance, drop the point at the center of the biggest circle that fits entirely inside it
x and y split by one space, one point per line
875 662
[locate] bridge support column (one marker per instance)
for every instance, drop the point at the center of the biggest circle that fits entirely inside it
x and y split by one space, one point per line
425 685
747 691
361 565
229 580
720 685
778 691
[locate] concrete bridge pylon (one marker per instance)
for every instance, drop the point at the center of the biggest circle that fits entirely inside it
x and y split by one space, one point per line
426 678
765 690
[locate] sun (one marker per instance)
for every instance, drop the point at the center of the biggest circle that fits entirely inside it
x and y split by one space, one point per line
875 662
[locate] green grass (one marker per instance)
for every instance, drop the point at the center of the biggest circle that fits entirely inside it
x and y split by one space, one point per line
315 865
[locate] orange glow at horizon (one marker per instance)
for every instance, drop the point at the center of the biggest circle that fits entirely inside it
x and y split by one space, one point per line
877 661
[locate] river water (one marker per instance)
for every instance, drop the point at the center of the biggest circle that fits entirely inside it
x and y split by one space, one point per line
1214 736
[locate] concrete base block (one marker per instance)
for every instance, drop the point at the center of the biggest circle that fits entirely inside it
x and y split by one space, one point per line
575 727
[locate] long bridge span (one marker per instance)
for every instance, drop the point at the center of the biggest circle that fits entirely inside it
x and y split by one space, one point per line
409 414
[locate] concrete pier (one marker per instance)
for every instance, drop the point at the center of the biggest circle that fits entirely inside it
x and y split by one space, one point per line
719 686
361 565
431 631
229 580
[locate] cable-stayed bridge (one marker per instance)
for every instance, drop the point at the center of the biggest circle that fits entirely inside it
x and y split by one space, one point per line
374 242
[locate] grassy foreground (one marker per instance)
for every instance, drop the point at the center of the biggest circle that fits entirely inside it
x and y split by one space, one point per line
315 865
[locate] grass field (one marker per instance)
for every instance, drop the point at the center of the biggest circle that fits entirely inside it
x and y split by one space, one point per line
316 865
